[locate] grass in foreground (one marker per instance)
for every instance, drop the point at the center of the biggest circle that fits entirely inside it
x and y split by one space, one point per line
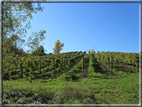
123 89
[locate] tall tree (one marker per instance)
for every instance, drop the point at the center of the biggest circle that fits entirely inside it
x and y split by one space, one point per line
16 18
11 47
40 50
14 40
58 46
37 38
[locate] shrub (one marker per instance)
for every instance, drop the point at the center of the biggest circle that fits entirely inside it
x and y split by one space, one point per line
72 93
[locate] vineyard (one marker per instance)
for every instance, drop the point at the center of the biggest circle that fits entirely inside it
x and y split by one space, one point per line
31 75
38 67
44 67
70 67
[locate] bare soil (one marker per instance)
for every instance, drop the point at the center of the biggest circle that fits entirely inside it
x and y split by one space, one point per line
106 69
131 69
85 74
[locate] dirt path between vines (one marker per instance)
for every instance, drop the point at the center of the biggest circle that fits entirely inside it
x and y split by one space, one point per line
131 69
102 66
106 69
84 75
57 75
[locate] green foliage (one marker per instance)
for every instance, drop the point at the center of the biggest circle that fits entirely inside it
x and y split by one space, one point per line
13 16
72 74
73 95
15 77
39 51
91 69
58 47
35 39
16 13
27 96
121 89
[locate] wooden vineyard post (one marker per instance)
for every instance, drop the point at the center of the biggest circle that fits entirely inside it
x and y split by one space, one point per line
112 63
69 63
40 65
83 65
54 67
9 74
62 61
137 66
133 65
21 67
108 64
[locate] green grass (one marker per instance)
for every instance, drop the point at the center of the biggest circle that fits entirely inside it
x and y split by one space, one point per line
115 90
121 89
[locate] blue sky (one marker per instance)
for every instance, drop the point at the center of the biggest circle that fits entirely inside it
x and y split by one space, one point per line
110 27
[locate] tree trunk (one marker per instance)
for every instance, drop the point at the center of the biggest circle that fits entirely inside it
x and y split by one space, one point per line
21 70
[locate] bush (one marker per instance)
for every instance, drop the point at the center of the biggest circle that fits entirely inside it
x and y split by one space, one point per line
88 101
14 72
73 93
15 77
36 72
72 74
27 96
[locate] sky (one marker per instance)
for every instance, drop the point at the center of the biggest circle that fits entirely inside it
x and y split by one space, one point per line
105 27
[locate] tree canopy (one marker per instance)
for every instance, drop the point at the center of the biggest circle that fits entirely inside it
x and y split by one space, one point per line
16 18
58 46
39 51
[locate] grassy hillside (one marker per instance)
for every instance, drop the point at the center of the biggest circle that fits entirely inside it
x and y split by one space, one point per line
97 87
122 89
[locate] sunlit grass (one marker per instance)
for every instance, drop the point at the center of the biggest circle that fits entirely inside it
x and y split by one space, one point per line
122 89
